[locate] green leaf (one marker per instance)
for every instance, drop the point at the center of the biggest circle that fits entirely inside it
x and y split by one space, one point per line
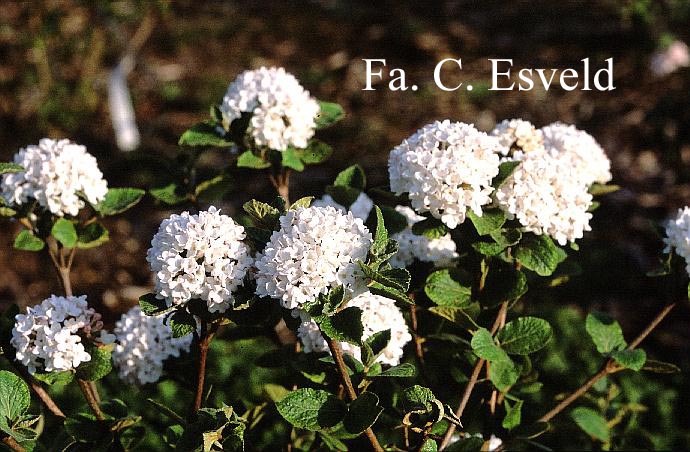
27 241
539 254
290 158
353 177
505 170
503 283
381 234
605 332
213 189
484 346
54 378
14 396
118 200
7 212
182 323
449 287
84 428
660 367
504 374
7 168
417 398
464 317
431 228
592 423
404 370
275 392
329 114
389 292
64 232
99 366
170 194
264 215
302 202
334 444
374 345
630 359
491 220
531 431
92 235
513 415
332 300
249 160
394 220
152 305
311 409
429 446
362 413
344 196
204 134
602 189
345 325
525 335
316 152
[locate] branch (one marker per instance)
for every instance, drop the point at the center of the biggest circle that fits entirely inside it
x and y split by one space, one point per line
204 342
91 399
608 368
500 317
13 444
337 353
38 389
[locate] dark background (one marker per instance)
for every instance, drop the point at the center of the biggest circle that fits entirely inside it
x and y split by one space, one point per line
55 58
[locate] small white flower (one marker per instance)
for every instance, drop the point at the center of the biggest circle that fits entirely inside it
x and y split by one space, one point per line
446 168
283 113
678 235
580 150
517 136
143 344
56 174
547 197
49 337
316 249
359 209
199 256
440 251
378 314
494 443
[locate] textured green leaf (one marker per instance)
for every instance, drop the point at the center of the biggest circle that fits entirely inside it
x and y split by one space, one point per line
602 189
503 283
353 177
394 220
484 346
630 359
118 200
449 287
344 196
505 170
429 446
346 325
249 160
403 370
91 235
26 241
182 323
170 194
525 335
592 423
264 215
213 189
99 366
204 134
291 158
152 305
14 396
64 232
491 220
513 416
463 317
316 152
302 202
362 413
660 367
54 378
311 409
7 168
605 332
431 228
417 398
374 345
389 292
380 235
504 374
329 114
539 254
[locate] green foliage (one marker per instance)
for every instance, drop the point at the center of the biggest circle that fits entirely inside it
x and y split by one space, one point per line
98 366
362 413
353 177
484 346
513 416
345 325
118 200
248 159
417 398
170 194
181 323
92 235
490 220
264 215
449 287
591 423
311 409
8 168
404 370
505 169
27 241
525 335
630 359
330 114
14 403
64 232
539 254
204 134
605 332
430 227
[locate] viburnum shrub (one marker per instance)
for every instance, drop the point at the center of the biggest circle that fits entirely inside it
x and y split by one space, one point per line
390 307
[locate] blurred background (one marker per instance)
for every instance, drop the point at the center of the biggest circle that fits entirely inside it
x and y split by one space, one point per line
57 59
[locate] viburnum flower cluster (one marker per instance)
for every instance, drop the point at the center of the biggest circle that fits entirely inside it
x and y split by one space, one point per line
440 251
199 256
516 137
50 336
378 314
359 209
143 344
57 173
678 235
316 249
446 168
282 111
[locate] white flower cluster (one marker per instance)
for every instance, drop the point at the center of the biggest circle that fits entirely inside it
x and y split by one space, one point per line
445 167
57 173
283 112
199 256
143 343
586 158
378 314
316 248
440 251
546 197
517 136
49 337
678 235
359 209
